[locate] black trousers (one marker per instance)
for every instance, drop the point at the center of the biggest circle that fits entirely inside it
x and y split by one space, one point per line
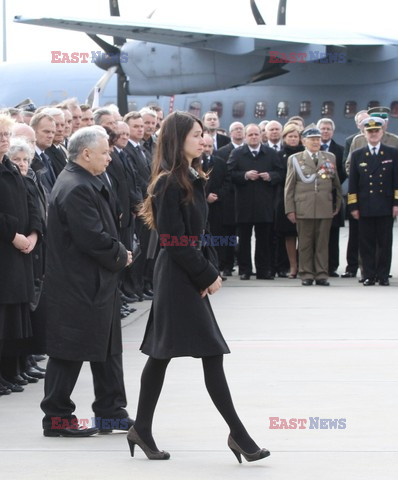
61 376
352 246
334 250
138 271
375 246
263 254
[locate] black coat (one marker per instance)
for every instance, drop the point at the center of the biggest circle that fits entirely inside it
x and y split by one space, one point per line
141 165
254 199
84 257
181 323
229 194
283 225
57 158
373 187
222 140
18 214
338 151
219 184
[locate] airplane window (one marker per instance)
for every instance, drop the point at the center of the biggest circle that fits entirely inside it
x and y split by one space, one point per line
260 110
195 108
282 109
373 103
217 107
327 109
350 109
238 110
394 109
132 106
305 108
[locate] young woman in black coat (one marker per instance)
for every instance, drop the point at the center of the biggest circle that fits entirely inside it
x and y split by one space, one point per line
181 321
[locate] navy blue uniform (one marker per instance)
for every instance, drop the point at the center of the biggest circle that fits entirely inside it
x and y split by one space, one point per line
373 190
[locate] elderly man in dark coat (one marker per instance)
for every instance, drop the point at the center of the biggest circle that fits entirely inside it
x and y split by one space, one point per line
83 261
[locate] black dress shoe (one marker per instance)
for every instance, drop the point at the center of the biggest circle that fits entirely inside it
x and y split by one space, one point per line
307 282
265 277
4 390
283 274
29 379
12 386
148 291
39 358
348 275
384 282
69 432
39 369
368 282
245 276
361 280
334 274
18 380
144 297
128 299
32 372
322 282
227 273
108 425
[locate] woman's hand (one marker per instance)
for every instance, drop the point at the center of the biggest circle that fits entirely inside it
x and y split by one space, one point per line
215 286
21 242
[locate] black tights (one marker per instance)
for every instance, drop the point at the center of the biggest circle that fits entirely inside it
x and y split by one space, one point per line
151 385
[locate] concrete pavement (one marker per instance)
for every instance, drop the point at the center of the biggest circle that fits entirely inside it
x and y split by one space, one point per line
297 353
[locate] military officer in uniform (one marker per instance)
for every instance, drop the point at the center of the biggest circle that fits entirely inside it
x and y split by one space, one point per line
310 183
373 200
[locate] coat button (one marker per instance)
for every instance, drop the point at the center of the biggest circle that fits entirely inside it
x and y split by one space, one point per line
371 191
370 183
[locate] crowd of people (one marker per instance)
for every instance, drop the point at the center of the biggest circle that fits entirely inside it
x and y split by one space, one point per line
282 181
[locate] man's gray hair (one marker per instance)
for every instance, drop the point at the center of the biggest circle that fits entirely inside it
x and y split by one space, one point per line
99 113
148 111
53 111
19 144
85 137
326 120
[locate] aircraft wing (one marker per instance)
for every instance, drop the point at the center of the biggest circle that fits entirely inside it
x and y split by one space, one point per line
227 40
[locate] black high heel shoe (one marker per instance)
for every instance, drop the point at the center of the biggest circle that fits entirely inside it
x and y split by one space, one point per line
249 457
133 438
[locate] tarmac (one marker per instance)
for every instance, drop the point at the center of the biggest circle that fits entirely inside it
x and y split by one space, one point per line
326 356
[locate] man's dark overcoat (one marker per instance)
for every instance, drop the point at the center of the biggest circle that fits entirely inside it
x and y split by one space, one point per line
84 257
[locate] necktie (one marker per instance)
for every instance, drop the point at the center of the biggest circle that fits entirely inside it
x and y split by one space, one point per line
324 146
47 164
124 160
254 153
275 148
315 158
374 151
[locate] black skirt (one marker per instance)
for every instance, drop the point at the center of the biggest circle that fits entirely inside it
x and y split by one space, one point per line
15 321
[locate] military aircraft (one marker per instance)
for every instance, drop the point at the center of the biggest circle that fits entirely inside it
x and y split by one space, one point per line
288 70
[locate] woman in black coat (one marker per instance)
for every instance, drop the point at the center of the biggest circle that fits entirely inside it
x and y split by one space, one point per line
20 228
181 322
283 227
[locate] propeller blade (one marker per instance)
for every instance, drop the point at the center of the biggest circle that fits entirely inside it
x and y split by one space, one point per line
100 86
106 47
281 19
256 13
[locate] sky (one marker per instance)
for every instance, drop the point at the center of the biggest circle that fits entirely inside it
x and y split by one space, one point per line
36 43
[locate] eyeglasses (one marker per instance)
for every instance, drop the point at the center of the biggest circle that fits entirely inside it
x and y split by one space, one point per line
5 134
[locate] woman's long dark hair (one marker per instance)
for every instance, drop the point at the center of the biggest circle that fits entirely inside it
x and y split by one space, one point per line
170 159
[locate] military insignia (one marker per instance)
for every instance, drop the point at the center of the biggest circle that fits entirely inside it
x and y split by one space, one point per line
363 164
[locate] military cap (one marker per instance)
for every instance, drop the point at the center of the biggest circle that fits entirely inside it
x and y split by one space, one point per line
382 112
26 105
311 131
373 123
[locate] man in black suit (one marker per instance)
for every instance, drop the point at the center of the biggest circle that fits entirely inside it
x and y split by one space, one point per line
327 128
373 201
57 152
84 258
254 170
140 160
44 127
274 135
211 122
150 119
